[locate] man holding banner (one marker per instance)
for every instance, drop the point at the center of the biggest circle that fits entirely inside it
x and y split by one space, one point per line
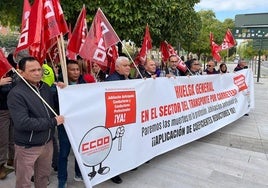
34 125
122 71
74 77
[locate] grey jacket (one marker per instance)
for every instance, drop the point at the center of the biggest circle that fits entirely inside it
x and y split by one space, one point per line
34 123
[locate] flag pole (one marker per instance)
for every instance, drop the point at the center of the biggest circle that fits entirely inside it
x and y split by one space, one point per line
227 55
131 59
122 45
62 60
41 98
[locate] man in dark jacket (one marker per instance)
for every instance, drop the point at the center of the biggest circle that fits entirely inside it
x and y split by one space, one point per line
74 77
149 69
122 70
242 64
211 68
34 125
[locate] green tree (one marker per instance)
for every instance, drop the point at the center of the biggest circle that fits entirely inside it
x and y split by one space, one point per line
173 20
210 24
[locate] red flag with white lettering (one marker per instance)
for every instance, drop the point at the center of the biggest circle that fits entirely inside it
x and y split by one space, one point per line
215 48
23 40
146 45
36 42
167 50
61 22
4 64
228 41
101 36
53 54
79 33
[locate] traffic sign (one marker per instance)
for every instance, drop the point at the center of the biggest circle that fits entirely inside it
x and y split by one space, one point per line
250 32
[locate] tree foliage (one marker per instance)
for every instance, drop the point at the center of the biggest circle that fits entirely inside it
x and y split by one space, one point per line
173 20
210 24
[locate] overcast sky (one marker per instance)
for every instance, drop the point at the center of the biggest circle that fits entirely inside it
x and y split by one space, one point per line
229 8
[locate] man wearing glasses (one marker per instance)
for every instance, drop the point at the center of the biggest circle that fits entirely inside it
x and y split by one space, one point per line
211 68
172 69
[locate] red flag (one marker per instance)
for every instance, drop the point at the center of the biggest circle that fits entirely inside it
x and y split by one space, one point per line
146 45
101 36
79 33
167 50
23 40
112 55
4 64
61 22
215 48
70 55
53 54
164 51
228 41
36 41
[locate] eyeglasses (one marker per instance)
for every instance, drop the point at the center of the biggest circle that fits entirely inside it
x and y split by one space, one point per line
209 65
173 61
196 64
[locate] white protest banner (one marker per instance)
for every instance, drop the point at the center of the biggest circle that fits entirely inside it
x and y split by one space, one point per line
116 126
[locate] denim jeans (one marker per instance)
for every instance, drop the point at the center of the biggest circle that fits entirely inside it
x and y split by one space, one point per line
64 151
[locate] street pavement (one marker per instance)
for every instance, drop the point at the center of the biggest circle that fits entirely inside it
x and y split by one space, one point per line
235 156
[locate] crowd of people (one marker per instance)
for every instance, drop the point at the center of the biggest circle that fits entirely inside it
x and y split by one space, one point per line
28 141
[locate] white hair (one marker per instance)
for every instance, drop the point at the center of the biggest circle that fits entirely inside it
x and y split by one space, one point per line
120 60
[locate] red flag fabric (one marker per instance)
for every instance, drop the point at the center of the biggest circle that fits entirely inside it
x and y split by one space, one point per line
53 54
112 55
45 22
61 22
164 51
4 64
146 45
228 41
167 50
215 48
70 55
79 33
23 40
101 36
36 41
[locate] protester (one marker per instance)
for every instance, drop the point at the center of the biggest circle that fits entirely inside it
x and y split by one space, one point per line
242 64
34 125
149 69
99 74
171 69
7 82
122 72
83 66
223 68
74 77
194 68
211 68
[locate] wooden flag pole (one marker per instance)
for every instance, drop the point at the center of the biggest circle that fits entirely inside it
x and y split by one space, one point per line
62 61
131 59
